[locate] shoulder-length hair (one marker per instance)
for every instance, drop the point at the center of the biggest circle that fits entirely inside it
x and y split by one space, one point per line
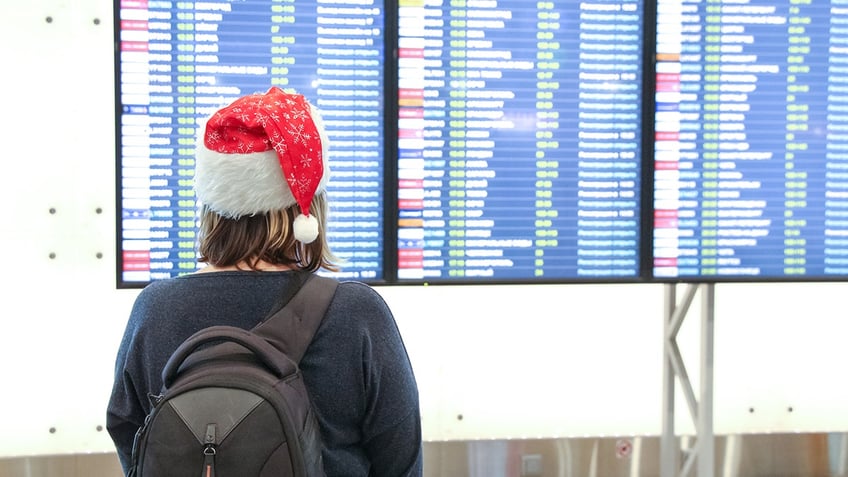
249 240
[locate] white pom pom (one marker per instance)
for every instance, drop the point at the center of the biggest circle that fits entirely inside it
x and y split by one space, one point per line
305 228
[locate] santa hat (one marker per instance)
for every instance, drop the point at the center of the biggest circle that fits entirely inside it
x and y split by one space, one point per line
261 153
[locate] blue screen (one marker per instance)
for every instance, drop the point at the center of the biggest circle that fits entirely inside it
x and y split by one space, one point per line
178 62
751 141
520 129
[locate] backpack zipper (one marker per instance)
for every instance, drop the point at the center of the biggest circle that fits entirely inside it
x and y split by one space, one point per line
209 451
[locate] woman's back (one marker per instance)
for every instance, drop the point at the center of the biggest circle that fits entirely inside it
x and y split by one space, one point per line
356 370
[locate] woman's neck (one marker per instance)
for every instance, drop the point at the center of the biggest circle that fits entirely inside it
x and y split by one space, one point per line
261 266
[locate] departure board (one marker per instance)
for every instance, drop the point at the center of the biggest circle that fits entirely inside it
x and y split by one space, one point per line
519 153
751 142
178 62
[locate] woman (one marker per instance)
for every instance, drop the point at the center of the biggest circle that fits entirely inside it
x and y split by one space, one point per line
261 176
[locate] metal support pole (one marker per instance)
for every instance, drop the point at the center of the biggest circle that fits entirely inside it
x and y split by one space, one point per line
706 436
668 441
674 370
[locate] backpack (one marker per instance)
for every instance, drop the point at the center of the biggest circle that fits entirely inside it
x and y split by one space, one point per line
233 402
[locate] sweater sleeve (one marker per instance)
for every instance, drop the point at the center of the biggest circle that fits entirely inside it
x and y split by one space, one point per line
119 422
391 429
124 414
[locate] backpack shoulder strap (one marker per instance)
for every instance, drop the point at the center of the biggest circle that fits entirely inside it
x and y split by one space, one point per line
292 328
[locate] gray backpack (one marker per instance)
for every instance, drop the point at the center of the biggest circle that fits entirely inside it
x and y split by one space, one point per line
233 402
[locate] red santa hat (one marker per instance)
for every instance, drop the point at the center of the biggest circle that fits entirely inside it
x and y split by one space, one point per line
261 153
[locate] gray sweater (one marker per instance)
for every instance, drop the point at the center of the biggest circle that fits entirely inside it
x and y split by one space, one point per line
356 370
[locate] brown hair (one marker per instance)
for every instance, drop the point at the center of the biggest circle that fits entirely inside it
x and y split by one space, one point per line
226 242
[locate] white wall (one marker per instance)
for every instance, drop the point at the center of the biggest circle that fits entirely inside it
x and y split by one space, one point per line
513 361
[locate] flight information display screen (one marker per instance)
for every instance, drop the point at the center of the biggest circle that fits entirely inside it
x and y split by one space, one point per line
177 62
751 142
519 153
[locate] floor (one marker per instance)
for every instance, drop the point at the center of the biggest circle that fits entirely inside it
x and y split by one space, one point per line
773 455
